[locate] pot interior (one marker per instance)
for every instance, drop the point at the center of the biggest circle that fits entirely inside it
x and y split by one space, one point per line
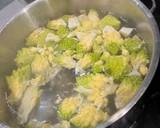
13 36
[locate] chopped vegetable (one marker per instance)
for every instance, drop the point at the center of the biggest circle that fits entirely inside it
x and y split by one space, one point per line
117 66
56 24
38 37
26 55
133 44
127 90
40 65
140 58
92 81
67 44
111 21
98 67
66 61
88 60
18 82
88 117
98 98
126 32
52 37
68 107
62 31
73 22
29 101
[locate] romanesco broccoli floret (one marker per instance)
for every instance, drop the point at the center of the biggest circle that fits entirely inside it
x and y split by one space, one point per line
88 60
68 107
38 38
84 80
88 22
67 44
105 56
111 21
127 90
113 47
88 117
56 24
25 56
62 31
133 44
17 82
86 40
112 37
117 66
98 98
98 46
66 61
97 81
98 67
40 65
140 58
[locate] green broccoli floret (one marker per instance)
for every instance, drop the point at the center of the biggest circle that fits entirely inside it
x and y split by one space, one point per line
127 89
40 65
111 21
133 44
66 61
62 31
17 82
67 44
88 117
56 24
68 107
117 66
98 67
88 60
25 56
38 38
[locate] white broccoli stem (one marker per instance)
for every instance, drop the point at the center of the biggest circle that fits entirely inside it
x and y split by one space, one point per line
108 29
73 22
52 37
126 32
28 102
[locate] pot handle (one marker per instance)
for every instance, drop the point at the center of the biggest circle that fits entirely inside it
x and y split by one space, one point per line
153 7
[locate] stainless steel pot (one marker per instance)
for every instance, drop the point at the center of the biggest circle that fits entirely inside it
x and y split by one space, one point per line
39 12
